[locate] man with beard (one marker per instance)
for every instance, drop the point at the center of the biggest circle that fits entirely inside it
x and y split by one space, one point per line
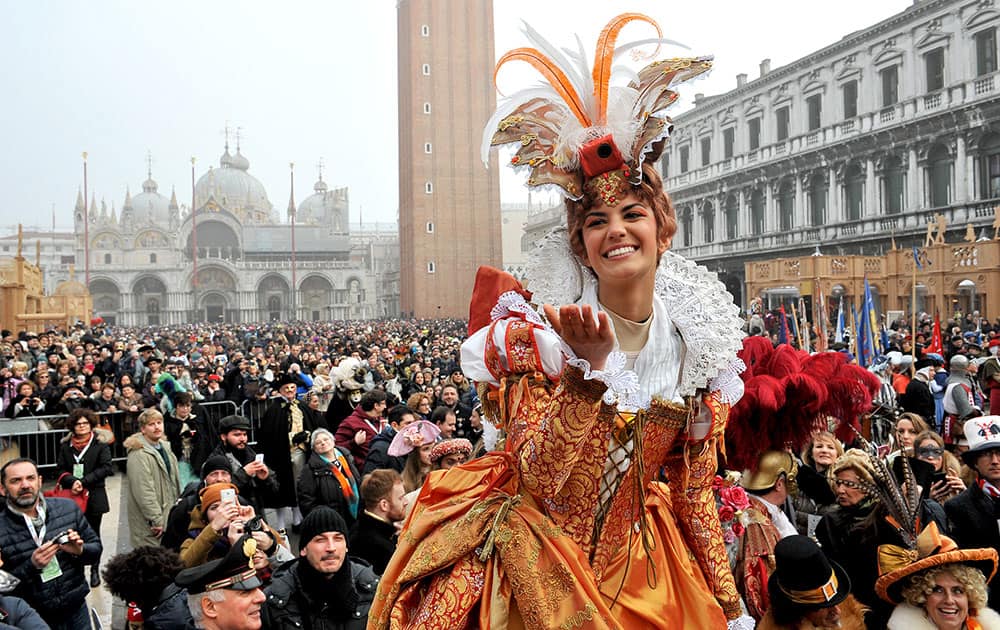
323 588
225 594
46 543
373 537
253 478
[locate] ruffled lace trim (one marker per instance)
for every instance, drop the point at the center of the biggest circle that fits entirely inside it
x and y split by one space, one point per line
709 322
695 299
728 383
623 385
743 622
513 303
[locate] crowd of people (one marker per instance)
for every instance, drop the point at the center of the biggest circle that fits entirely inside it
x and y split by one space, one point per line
609 450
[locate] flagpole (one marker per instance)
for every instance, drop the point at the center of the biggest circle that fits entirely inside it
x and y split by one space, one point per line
913 318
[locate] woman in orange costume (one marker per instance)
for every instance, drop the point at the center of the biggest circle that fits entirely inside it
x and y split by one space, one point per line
598 512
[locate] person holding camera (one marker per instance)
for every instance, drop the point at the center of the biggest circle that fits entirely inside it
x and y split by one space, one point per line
46 542
219 520
25 404
85 455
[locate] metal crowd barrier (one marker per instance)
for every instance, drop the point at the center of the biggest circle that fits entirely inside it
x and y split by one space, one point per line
39 437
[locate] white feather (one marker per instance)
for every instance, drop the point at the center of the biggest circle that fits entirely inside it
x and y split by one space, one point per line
576 78
623 48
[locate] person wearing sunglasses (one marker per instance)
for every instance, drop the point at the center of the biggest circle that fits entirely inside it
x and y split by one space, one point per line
946 483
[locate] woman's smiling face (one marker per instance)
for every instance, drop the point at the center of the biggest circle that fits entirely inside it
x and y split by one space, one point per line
620 241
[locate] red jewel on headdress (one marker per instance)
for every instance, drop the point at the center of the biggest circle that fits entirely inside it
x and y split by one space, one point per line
515 160
612 200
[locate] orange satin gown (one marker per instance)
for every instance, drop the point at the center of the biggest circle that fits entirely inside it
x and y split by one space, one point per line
509 540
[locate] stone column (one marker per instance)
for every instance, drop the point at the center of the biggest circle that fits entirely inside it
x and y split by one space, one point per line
960 190
871 190
801 213
914 183
743 222
770 209
835 211
720 218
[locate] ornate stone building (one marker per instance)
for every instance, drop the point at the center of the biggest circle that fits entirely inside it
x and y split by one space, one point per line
142 267
860 142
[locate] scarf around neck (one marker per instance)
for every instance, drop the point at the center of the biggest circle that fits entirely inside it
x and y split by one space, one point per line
342 473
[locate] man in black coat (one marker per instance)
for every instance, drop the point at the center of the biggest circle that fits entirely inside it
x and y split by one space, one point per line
373 537
254 479
974 513
46 543
918 398
322 588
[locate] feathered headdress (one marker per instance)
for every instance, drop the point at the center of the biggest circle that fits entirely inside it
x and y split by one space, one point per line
580 130
788 395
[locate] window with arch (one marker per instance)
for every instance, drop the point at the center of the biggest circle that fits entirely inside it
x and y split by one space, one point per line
989 166
938 176
814 105
890 85
854 191
687 227
781 119
152 258
428 148
426 69
850 93
757 212
107 259
786 205
708 222
986 51
753 134
934 69
425 30
893 184
430 227
428 188
427 108
817 200
732 217
430 267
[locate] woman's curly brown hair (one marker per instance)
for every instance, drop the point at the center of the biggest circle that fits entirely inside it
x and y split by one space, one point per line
922 584
650 192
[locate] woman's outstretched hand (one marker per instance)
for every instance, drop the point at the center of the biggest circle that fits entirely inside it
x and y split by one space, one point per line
591 340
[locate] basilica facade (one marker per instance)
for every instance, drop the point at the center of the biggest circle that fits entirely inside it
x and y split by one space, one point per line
231 260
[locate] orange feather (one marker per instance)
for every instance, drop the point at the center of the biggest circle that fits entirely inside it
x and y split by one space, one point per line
604 58
556 78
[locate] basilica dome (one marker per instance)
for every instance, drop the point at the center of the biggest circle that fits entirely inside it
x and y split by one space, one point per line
324 207
149 206
232 188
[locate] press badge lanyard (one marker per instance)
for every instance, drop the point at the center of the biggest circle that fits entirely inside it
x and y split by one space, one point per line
37 535
78 467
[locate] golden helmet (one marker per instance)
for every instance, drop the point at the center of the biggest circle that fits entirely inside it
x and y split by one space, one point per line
770 466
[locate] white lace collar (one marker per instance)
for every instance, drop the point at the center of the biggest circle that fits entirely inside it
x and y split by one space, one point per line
695 300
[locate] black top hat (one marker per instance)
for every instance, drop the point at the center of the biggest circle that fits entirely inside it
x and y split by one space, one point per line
923 363
233 572
804 578
284 379
145 348
151 360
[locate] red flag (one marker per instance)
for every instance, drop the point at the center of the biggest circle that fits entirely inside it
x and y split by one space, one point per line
936 345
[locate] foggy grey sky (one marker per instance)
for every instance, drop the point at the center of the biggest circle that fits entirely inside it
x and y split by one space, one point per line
305 80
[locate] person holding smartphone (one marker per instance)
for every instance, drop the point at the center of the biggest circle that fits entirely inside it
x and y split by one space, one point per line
946 482
25 403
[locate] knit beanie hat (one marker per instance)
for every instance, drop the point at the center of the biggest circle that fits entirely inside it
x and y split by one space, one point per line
320 520
213 463
213 493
